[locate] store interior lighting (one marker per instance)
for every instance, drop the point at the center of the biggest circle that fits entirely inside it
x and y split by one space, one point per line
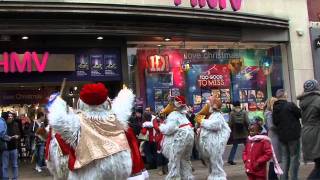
99 37
24 37
167 39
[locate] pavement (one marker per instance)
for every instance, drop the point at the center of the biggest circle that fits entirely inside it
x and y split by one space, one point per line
235 172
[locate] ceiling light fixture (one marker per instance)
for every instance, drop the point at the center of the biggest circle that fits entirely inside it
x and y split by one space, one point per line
99 37
159 45
167 39
24 37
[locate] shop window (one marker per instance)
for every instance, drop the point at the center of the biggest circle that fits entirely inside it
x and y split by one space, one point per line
247 75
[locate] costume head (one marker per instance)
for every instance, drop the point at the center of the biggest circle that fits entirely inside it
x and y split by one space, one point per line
94 100
177 103
311 85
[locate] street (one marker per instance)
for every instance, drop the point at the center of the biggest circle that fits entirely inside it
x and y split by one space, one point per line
235 172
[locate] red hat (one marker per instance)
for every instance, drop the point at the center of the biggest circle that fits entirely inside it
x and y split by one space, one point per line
94 94
180 99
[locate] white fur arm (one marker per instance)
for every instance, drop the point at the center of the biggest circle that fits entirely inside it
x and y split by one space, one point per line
67 124
122 106
214 122
170 126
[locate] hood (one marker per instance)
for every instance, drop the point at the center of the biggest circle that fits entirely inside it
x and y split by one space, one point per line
278 105
237 112
307 98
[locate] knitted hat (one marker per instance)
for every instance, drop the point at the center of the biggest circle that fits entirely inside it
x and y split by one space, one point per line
281 93
94 94
311 85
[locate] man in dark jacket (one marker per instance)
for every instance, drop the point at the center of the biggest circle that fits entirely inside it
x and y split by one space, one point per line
239 129
286 118
11 153
310 135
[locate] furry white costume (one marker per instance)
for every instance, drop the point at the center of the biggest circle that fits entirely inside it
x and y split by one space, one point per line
178 141
213 138
62 119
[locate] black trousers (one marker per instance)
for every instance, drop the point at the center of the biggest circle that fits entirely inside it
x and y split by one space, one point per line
150 151
315 173
272 175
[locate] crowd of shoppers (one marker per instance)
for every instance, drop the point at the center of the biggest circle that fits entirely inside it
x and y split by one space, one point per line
19 139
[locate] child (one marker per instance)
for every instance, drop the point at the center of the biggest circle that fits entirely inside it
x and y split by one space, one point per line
257 153
264 130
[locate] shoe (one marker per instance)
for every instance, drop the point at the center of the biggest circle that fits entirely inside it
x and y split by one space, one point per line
38 169
231 163
160 173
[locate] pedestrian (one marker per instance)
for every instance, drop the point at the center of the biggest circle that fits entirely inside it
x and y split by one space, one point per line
150 146
257 152
213 137
239 126
286 119
10 155
260 121
4 138
310 135
272 135
192 119
40 138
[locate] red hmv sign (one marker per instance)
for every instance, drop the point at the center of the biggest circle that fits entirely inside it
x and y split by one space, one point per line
213 4
217 76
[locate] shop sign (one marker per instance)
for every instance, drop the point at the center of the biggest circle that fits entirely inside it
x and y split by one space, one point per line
23 97
158 63
218 76
317 43
213 4
11 62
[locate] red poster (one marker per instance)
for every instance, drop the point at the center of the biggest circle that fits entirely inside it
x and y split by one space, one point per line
217 76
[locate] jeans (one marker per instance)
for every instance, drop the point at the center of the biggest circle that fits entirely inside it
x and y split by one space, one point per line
233 151
40 155
11 156
315 174
290 159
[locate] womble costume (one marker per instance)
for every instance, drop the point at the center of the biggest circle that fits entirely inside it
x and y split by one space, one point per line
213 137
90 143
178 140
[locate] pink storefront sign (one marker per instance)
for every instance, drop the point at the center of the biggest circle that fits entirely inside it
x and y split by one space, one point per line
12 63
213 4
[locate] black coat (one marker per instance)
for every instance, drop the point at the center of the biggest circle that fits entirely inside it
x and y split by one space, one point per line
310 135
286 119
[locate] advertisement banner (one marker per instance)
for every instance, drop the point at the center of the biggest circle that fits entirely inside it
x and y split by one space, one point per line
217 76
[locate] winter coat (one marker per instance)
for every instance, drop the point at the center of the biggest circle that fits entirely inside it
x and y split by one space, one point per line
310 135
13 129
272 133
286 117
241 132
255 157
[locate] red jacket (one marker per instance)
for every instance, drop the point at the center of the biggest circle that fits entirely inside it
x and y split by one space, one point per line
154 133
255 157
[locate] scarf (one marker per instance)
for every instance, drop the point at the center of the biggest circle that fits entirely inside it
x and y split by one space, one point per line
277 168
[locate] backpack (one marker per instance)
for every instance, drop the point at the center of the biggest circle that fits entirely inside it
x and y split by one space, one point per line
239 121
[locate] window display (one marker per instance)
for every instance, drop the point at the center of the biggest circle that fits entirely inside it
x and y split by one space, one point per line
246 75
